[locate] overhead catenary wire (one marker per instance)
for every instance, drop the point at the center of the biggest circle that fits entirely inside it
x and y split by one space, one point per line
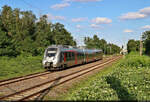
32 6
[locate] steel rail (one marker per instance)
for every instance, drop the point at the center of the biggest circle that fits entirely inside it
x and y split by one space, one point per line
21 78
17 79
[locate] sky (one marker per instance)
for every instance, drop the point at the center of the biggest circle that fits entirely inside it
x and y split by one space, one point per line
116 21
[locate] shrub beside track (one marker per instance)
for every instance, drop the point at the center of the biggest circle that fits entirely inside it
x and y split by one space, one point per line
127 80
19 66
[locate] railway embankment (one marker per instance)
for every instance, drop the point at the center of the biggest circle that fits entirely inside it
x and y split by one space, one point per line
11 67
128 79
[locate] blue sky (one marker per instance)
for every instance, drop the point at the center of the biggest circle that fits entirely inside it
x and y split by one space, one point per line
116 21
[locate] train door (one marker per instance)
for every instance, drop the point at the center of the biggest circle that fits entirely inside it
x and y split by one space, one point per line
86 57
80 58
69 59
64 57
76 60
73 58
61 58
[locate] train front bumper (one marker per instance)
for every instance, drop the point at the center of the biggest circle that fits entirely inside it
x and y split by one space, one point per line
48 64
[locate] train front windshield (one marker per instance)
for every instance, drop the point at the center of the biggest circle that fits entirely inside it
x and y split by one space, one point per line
51 52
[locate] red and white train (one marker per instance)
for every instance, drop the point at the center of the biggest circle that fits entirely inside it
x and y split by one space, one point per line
58 56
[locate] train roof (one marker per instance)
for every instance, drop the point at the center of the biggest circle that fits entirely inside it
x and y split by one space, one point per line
71 48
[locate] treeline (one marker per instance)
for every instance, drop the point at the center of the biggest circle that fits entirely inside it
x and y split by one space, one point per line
97 43
22 33
134 45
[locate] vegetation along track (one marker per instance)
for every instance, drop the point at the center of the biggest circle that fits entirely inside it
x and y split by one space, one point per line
35 90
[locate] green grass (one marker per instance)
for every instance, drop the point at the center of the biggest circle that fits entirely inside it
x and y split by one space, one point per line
129 79
19 66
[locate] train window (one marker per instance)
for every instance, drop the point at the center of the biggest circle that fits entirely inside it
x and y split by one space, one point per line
68 55
79 55
52 49
51 52
73 57
61 56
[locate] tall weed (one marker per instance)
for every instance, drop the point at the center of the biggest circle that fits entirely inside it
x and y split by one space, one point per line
134 60
21 65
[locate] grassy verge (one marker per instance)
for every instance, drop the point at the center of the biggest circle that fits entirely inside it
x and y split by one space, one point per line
19 66
127 80
83 83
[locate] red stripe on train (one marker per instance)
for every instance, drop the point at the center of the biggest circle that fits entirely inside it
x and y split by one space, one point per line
76 58
64 57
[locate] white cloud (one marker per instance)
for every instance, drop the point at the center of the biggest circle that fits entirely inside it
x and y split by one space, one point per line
60 6
67 0
145 11
128 31
86 0
82 0
146 27
79 26
132 15
142 13
52 17
95 26
101 20
78 19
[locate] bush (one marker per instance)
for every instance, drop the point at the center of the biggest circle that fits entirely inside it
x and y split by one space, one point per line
129 81
134 60
21 65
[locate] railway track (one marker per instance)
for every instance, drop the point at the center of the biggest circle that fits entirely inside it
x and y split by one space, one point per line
22 78
33 91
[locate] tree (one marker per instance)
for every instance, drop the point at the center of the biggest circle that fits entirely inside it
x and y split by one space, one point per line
21 33
43 35
61 35
146 41
133 45
97 43
88 42
6 32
